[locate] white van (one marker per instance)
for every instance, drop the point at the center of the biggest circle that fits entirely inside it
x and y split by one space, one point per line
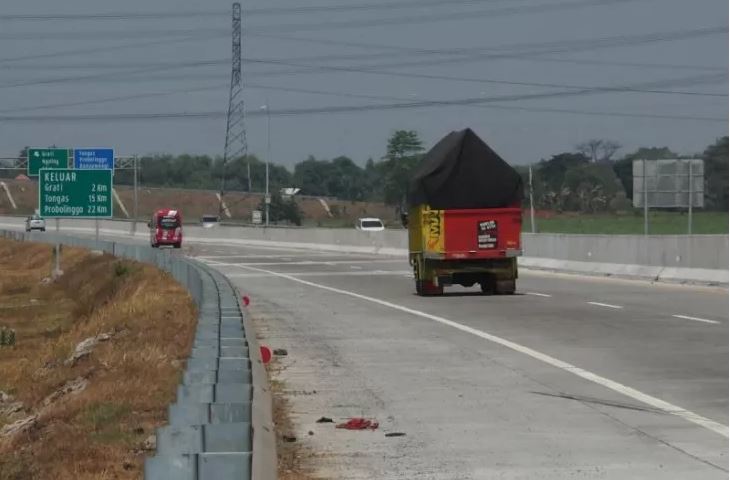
370 225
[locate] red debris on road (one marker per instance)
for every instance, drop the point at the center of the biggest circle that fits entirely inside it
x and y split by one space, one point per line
265 354
358 423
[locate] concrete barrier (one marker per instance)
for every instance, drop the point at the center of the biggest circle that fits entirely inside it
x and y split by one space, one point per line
221 424
672 258
679 251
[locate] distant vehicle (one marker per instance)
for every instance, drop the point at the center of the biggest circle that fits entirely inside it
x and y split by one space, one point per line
166 228
370 225
35 222
209 221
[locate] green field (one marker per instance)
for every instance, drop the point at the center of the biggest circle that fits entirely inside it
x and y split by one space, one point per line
660 223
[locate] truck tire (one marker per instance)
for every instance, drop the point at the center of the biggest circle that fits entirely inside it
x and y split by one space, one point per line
177 245
425 288
506 287
488 285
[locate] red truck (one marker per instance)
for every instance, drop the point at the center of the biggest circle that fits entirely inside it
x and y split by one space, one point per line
166 228
465 218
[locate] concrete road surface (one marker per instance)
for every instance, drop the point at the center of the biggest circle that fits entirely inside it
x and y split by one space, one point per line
573 377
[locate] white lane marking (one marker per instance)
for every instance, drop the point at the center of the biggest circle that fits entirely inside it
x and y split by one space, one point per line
607 305
227 255
655 402
355 267
696 319
301 262
363 273
536 294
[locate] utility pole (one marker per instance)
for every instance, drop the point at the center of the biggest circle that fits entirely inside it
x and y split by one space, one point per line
236 144
691 195
267 197
646 200
532 205
136 199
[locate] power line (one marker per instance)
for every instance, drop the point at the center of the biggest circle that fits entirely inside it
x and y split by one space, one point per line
334 110
81 51
334 25
605 42
115 76
97 101
534 49
543 49
101 76
504 98
249 12
712 77
417 51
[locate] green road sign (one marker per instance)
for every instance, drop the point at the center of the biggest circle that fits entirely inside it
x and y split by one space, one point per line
46 158
64 193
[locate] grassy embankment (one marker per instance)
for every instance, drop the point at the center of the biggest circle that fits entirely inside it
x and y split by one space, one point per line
660 223
123 386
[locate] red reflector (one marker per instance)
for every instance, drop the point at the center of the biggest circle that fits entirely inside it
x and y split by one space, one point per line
265 354
246 300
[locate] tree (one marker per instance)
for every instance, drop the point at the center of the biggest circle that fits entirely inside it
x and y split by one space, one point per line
402 144
340 178
569 181
401 158
716 175
598 150
551 173
281 210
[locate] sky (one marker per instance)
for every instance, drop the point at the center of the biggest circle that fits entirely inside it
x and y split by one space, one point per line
533 78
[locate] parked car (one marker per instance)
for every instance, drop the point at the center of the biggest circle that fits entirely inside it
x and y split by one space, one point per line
370 225
209 221
35 222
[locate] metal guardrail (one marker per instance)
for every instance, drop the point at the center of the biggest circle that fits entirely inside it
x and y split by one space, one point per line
220 426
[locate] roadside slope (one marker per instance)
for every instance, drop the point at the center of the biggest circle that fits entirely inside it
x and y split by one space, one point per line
69 412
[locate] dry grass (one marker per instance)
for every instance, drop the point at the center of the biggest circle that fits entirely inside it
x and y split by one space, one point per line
294 460
97 433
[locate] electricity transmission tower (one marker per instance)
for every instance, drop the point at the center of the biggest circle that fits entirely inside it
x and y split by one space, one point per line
236 144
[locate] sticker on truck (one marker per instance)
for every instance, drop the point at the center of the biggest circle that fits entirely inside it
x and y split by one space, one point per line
433 229
487 234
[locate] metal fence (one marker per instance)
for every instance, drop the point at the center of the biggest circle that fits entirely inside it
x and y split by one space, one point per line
220 426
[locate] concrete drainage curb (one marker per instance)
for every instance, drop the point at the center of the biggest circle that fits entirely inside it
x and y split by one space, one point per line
221 425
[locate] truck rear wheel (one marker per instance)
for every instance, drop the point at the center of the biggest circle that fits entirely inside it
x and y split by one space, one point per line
487 287
506 287
425 287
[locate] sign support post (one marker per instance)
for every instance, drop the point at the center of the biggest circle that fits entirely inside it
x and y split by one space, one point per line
691 200
532 205
134 221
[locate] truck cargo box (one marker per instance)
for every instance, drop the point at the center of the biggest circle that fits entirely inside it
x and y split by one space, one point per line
465 234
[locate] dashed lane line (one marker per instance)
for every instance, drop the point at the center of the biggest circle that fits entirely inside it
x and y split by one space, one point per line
630 392
607 305
696 319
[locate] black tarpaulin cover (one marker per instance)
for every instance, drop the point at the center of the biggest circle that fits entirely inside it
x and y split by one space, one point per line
461 171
